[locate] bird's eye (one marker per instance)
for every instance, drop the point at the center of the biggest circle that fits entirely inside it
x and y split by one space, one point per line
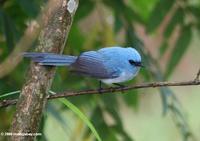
138 64
132 62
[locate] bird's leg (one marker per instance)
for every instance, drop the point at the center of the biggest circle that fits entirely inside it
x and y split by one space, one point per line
100 87
120 86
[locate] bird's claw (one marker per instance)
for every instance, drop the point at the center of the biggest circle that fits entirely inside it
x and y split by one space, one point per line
120 86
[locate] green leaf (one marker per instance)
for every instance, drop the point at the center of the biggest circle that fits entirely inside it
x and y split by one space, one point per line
165 93
177 18
42 128
84 9
8 29
6 95
145 72
111 105
82 116
55 113
163 48
194 10
180 48
118 126
142 7
122 132
118 24
19 18
76 38
121 9
30 7
101 124
158 14
131 98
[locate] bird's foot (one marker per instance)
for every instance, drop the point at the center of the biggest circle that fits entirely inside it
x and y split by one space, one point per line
120 86
100 87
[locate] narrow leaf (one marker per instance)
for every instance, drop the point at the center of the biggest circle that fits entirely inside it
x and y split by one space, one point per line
121 9
195 10
105 130
84 9
158 14
177 18
8 29
180 48
163 48
6 95
30 7
118 24
82 116
165 93
131 98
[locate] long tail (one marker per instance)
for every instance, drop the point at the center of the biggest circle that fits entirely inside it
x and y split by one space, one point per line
51 59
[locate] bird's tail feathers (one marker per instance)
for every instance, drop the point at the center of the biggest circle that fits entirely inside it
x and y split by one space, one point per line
50 59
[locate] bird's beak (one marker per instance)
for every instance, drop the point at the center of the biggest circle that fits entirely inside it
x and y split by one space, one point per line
138 64
141 65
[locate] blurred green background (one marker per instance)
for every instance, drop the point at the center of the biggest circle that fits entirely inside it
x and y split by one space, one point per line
165 32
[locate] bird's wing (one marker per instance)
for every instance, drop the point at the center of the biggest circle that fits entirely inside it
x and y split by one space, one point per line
93 64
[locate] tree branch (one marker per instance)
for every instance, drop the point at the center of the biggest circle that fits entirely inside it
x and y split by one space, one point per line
33 97
194 82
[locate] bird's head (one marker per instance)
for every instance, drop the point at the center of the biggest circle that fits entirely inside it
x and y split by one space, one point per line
134 58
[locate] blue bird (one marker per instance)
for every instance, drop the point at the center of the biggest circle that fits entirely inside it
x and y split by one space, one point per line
111 65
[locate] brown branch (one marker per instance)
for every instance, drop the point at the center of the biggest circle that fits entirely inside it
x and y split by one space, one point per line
6 103
52 38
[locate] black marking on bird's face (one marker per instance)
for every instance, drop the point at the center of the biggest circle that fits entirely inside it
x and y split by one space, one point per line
137 64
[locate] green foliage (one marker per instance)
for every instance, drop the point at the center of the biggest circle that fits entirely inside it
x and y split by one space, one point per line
31 8
158 14
175 20
163 48
82 116
7 95
180 48
85 8
106 131
75 34
142 7
195 10
131 98
8 29
127 13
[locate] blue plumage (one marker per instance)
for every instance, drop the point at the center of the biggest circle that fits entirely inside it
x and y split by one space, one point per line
110 65
51 59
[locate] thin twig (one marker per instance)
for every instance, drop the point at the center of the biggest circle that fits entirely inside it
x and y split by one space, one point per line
198 75
6 103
